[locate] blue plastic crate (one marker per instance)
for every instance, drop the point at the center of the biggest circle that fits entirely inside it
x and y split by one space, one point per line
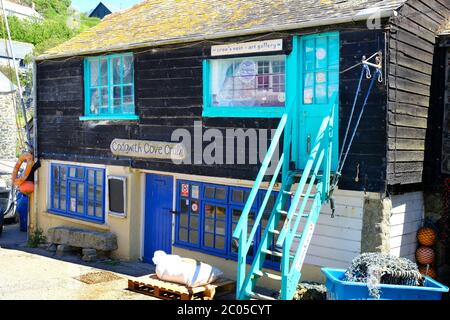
337 289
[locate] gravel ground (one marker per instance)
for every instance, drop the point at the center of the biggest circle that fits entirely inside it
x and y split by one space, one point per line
29 273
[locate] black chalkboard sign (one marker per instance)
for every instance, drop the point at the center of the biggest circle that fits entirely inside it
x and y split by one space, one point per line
116 188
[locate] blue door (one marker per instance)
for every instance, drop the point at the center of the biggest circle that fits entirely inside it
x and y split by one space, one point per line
319 78
158 216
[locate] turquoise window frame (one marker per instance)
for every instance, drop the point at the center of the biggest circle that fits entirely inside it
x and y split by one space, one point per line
239 112
87 89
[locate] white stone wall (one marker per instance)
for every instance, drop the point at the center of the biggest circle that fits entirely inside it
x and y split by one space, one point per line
8 130
406 218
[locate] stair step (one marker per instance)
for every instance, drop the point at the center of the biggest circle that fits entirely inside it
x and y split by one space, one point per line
289 193
259 296
284 213
273 276
274 232
275 253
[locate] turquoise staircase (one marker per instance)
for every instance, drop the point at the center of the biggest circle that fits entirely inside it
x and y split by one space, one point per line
307 189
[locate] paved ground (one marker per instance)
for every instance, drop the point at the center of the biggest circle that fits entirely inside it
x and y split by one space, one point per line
28 273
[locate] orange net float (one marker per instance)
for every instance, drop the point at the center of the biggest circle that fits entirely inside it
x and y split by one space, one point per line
28 158
27 187
425 255
426 236
431 272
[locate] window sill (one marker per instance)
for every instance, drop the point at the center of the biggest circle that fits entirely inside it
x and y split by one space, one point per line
100 225
244 112
112 117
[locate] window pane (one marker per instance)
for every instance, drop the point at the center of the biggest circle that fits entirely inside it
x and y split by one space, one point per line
333 52
80 202
250 81
94 101
94 72
209 211
128 97
309 54
90 208
209 192
99 210
308 95
209 225
237 196
220 243
321 94
99 178
115 64
193 222
183 234
91 175
321 53
127 69
104 72
209 240
193 237
221 193
220 227
220 213
104 97
63 173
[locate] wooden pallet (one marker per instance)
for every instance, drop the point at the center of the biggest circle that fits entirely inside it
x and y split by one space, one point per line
152 286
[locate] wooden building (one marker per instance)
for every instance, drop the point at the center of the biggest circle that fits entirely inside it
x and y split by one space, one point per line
110 98
100 11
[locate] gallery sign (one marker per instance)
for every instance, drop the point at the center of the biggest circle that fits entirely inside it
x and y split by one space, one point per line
148 149
247 47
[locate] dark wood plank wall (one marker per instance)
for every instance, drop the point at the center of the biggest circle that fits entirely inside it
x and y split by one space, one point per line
435 160
169 96
412 39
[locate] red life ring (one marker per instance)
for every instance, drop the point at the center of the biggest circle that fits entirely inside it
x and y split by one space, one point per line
28 158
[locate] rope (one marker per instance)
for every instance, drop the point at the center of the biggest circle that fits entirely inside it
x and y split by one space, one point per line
344 154
358 121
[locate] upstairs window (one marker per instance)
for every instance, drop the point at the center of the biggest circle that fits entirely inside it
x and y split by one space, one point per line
247 86
109 87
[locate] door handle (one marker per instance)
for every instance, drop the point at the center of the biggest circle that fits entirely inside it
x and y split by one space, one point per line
173 212
308 144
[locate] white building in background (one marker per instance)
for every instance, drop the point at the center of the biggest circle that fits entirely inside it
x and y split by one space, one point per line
21 50
20 11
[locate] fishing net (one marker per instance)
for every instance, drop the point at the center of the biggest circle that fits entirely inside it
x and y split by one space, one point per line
376 268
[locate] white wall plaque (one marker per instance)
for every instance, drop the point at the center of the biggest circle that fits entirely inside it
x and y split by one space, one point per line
148 149
247 47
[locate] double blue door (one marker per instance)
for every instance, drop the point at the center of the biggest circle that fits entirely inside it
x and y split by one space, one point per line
158 216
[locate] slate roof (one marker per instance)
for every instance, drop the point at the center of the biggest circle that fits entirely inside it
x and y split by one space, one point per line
157 22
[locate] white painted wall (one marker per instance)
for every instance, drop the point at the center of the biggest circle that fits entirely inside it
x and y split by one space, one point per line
336 241
406 218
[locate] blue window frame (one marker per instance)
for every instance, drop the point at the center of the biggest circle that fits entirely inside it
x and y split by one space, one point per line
208 214
244 87
78 192
109 87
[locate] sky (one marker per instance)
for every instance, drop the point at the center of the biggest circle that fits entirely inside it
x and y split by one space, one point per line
113 5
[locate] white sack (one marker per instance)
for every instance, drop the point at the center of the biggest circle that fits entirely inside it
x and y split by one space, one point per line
189 272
